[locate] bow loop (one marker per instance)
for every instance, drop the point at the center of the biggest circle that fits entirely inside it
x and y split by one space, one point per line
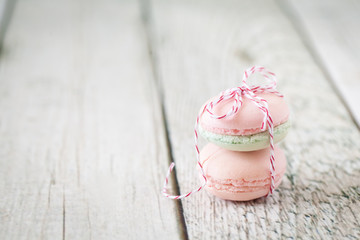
269 76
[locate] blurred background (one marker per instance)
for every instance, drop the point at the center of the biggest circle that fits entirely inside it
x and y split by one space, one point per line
97 98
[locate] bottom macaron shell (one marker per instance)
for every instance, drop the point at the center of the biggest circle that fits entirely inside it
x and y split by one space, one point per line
240 176
241 196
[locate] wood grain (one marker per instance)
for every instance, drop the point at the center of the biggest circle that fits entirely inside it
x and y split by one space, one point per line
82 145
202 48
331 29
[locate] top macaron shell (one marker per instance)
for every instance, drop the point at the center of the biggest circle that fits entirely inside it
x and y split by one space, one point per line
248 119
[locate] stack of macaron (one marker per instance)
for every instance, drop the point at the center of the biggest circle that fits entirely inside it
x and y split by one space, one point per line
236 161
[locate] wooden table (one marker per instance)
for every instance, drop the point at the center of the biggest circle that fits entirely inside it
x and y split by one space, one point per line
98 97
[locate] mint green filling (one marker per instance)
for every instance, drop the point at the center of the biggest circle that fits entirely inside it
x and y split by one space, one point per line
279 133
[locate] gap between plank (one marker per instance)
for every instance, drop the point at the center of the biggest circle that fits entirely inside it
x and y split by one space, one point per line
146 17
64 212
6 10
295 20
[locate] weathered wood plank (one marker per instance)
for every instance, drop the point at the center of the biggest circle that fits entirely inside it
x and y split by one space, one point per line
202 48
332 31
82 144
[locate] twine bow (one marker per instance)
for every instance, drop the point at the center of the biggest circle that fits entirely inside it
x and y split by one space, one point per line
237 94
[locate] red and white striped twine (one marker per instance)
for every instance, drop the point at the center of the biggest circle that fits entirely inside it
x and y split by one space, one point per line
237 94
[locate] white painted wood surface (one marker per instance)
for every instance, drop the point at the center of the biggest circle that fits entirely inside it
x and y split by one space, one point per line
332 29
83 142
202 48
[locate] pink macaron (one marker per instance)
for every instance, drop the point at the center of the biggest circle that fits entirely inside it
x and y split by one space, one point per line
242 131
240 176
